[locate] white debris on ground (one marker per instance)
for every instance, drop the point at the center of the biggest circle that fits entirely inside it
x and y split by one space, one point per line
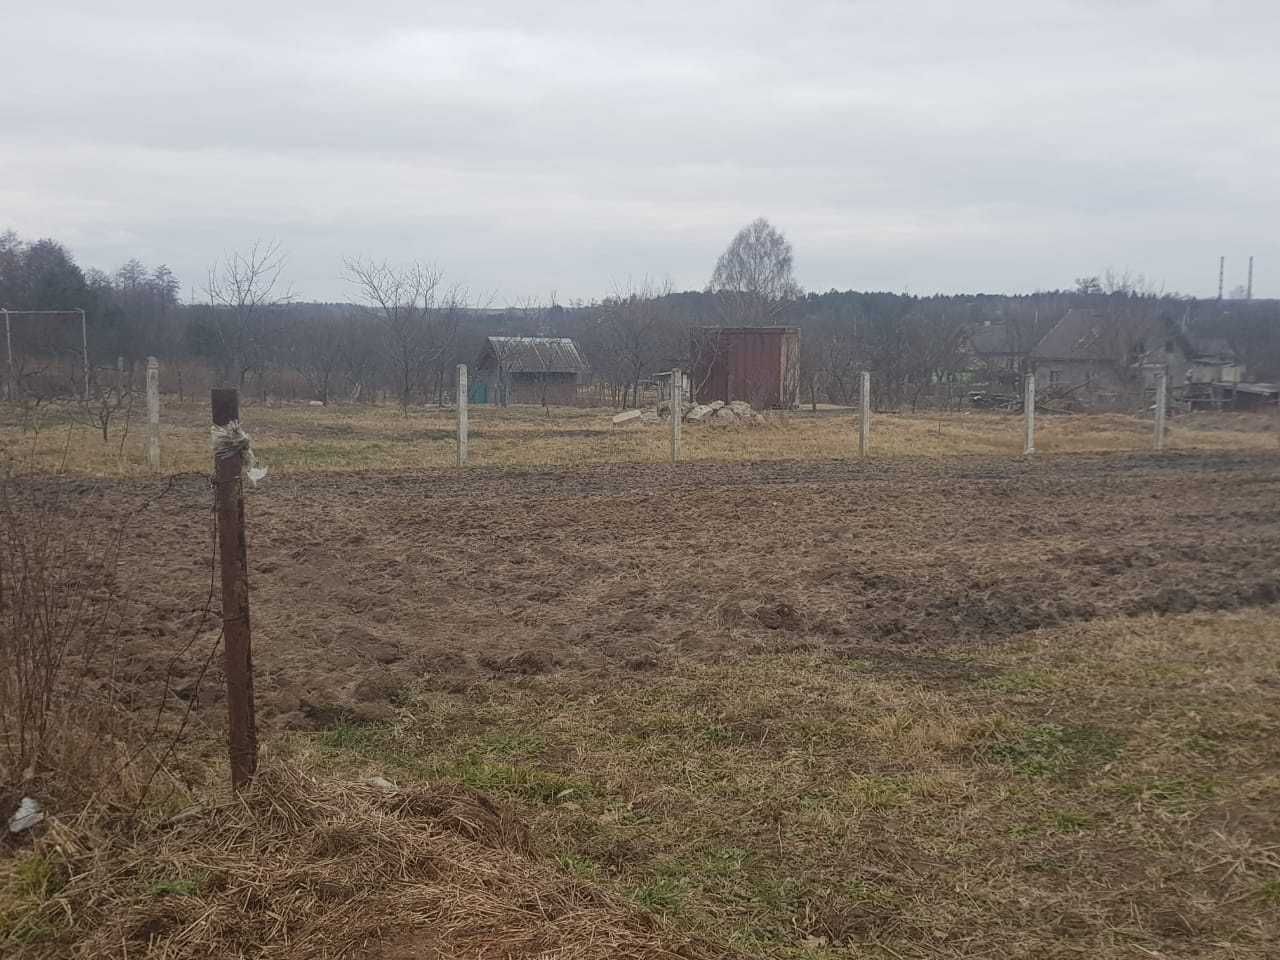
717 413
27 816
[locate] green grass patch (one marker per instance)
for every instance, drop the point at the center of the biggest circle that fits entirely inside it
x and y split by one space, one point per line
1056 751
584 868
1174 794
511 780
1066 821
174 888
37 876
358 738
662 895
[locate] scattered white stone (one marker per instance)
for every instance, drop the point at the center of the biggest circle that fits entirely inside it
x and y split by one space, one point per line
382 783
716 404
699 412
626 416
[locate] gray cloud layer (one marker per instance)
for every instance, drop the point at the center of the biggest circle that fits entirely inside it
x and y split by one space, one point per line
994 144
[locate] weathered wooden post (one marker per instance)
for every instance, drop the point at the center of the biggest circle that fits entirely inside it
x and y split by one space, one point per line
1029 412
153 413
1162 401
462 414
677 410
864 416
228 465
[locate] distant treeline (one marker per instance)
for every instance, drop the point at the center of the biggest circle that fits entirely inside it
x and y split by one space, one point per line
401 342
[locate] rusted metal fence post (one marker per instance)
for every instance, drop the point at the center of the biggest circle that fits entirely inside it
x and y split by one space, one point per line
676 402
1162 402
242 732
1029 413
462 414
864 416
153 413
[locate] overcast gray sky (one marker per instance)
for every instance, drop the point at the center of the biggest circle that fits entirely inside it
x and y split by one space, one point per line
993 145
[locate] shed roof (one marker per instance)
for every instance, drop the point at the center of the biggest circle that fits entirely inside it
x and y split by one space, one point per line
1260 388
535 354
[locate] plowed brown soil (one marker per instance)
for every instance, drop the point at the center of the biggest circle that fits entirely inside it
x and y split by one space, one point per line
367 585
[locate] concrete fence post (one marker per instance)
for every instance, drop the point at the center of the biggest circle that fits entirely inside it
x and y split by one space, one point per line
10 392
677 409
864 415
462 414
1162 403
153 413
1029 413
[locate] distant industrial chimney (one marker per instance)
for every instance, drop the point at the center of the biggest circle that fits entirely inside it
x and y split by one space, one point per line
1222 263
1248 290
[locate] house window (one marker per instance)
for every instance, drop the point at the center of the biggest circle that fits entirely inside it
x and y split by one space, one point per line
1055 376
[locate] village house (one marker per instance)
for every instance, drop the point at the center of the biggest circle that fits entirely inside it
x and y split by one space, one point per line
1103 360
998 354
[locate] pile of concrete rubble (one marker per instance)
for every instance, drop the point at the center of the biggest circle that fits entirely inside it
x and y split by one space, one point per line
718 413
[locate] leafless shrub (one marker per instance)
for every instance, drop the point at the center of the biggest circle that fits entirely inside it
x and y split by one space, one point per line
58 604
110 399
70 728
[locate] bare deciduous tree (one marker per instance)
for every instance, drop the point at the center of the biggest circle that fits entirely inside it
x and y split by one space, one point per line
315 347
419 317
639 331
242 288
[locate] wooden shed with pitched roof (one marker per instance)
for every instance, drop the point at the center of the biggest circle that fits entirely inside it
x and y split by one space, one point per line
541 370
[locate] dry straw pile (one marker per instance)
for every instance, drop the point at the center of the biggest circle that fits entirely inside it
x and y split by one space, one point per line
298 868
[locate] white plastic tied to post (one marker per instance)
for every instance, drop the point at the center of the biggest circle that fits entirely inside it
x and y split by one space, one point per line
231 439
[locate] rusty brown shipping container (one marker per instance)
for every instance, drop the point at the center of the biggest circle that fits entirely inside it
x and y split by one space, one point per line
758 364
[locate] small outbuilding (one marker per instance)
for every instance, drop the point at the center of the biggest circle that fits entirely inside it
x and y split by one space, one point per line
539 370
760 365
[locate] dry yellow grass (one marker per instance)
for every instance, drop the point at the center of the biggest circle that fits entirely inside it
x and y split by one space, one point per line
303 439
298 869
1104 789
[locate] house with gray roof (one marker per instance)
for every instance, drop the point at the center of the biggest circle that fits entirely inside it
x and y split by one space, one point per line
1105 358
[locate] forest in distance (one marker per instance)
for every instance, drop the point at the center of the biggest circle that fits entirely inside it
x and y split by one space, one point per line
407 325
